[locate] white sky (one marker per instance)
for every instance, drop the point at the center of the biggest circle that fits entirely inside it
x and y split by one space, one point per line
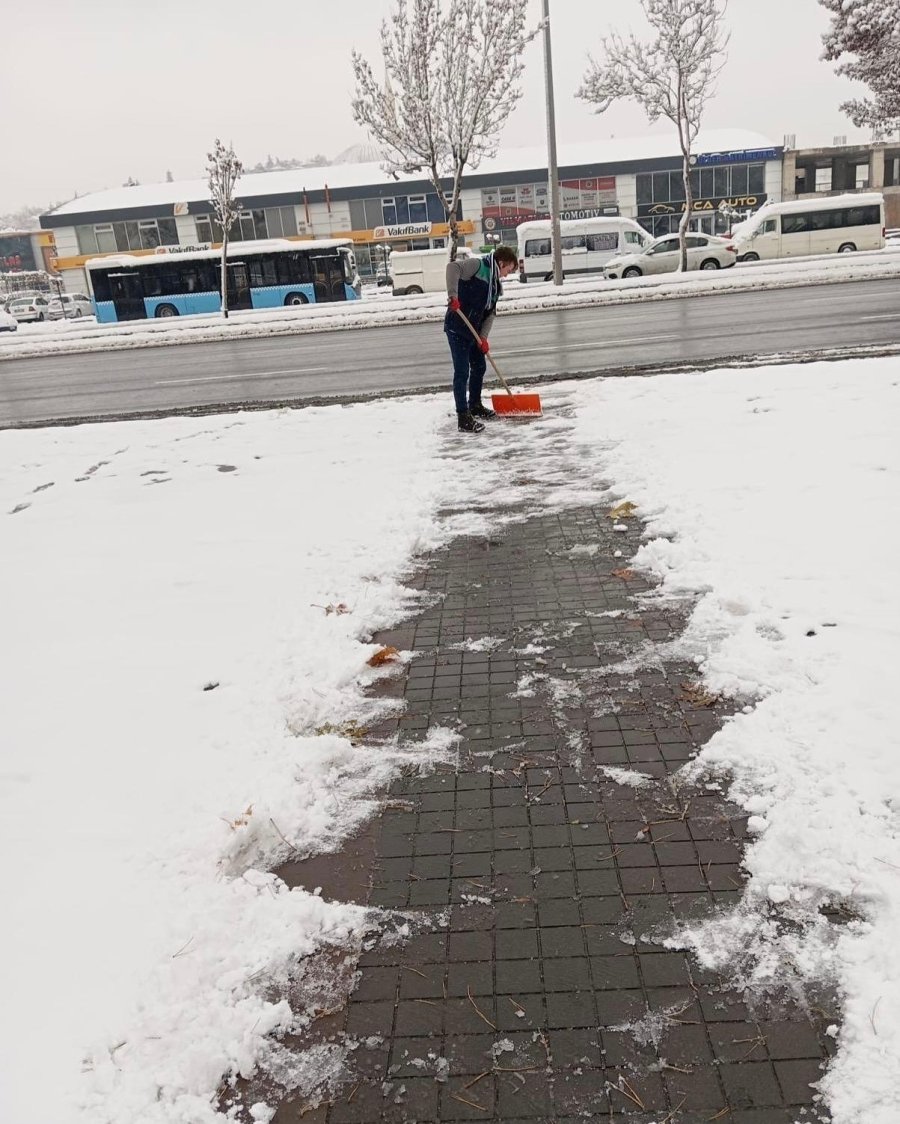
93 93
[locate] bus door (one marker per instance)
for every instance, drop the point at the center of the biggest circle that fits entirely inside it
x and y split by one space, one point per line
126 291
239 285
328 277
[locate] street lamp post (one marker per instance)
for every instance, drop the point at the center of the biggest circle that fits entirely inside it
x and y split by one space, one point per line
553 170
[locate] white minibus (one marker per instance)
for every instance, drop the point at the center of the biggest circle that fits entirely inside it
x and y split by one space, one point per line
820 225
421 271
587 245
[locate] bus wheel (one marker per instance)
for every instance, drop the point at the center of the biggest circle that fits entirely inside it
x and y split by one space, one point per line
166 310
847 248
749 257
296 298
523 278
632 271
413 291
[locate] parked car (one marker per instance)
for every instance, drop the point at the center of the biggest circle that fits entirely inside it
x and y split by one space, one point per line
704 251
7 323
29 308
70 306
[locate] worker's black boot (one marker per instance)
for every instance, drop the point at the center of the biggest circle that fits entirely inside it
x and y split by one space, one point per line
479 411
467 424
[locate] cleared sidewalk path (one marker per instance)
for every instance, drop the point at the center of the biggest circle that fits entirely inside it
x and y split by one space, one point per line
539 990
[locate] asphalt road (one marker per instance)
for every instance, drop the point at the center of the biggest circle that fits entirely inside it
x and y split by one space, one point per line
359 362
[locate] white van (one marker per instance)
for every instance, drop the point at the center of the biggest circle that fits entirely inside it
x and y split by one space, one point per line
821 225
587 245
421 271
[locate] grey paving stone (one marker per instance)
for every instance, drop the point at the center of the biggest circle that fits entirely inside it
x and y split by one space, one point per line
549 886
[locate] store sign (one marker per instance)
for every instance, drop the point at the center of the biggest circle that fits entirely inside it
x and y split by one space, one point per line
588 213
403 230
193 249
494 222
736 156
739 202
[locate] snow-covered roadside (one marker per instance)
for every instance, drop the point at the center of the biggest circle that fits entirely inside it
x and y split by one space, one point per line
69 337
166 557
185 634
771 497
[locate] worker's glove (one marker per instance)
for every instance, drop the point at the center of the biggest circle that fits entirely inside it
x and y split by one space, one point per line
453 304
484 345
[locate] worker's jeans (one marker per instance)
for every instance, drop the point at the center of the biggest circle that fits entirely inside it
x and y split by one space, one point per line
469 366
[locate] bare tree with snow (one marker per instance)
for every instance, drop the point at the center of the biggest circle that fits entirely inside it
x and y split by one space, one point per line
870 31
222 172
671 76
451 82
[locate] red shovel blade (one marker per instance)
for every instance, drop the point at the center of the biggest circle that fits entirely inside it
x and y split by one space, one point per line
517 405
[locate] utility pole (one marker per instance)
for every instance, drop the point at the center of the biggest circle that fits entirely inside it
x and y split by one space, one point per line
551 151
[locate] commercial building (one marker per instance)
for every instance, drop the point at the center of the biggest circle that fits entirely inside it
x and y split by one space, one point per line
811 172
640 178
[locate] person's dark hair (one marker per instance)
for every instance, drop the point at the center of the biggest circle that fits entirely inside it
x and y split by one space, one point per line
506 253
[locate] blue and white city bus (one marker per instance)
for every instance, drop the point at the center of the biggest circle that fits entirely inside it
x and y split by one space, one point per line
182 282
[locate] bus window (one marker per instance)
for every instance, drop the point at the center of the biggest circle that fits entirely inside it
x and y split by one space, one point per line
607 241
537 247
572 242
794 224
770 226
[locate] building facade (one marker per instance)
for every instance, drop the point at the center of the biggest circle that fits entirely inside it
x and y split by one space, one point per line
811 172
641 178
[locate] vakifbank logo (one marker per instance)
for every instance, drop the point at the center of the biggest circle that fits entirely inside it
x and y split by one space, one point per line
404 230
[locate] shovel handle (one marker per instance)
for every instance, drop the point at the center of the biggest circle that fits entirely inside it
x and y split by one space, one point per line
468 324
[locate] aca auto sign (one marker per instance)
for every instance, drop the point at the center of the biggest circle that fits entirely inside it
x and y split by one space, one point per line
738 202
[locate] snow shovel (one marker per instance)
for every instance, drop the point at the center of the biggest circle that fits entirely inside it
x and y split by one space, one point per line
508 405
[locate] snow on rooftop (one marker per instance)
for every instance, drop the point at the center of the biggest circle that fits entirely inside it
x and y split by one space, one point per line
612 150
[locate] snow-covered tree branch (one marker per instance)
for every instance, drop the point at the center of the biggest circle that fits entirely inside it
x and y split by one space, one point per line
870 31
222 171
450 83
671 76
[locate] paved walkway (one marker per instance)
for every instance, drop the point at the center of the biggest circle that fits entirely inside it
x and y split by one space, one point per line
538 990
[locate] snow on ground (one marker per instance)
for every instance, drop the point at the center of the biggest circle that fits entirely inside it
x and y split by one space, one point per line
149 560
772 497
379 307
190 602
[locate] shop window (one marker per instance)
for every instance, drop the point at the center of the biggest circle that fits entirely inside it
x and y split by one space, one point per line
676 187
644 187
756 179
418 209
720 183
388 212
168 232
120 230
87 240
106 239
149 234
660 187
738 186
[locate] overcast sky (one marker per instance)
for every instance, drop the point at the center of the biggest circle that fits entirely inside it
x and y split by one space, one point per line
96 91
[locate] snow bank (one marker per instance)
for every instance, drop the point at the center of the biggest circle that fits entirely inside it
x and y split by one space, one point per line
185 642
380 308
771 498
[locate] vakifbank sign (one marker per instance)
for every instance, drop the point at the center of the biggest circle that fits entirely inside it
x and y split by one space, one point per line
403 230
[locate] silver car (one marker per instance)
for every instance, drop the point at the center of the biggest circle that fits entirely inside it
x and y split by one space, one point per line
704 251
70 306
